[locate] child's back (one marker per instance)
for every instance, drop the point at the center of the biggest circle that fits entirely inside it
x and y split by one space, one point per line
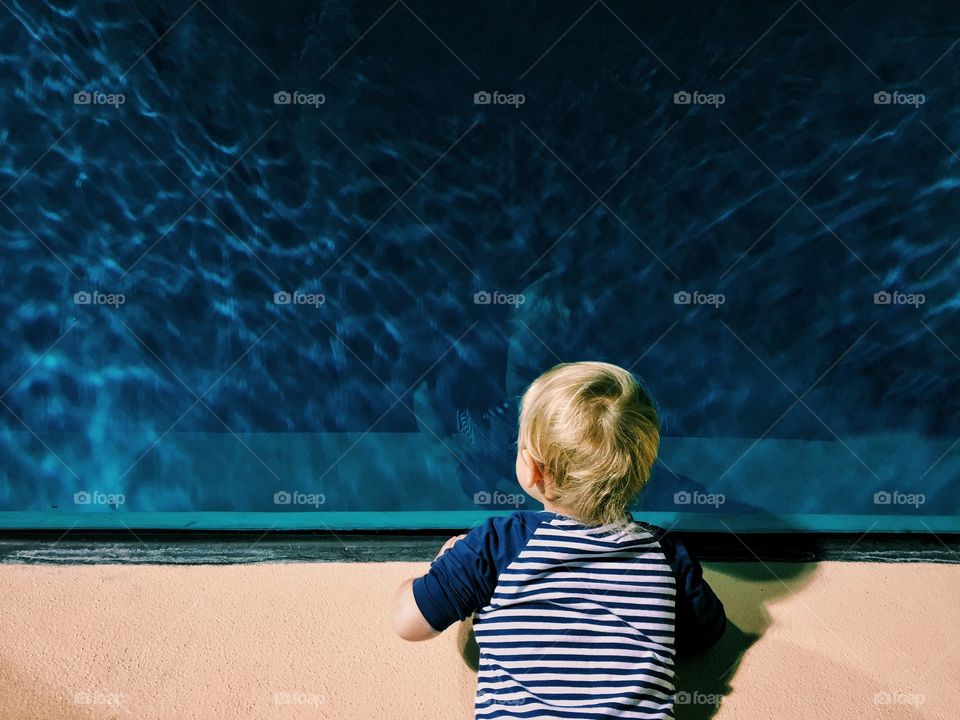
579 621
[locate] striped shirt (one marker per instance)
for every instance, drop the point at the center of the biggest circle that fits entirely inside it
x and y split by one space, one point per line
573 622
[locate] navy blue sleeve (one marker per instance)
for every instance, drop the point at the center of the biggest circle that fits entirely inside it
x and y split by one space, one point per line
700 617
462 580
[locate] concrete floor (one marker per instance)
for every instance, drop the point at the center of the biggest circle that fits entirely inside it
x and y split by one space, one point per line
827 640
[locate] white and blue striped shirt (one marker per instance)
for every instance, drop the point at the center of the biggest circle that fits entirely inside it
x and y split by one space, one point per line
574 622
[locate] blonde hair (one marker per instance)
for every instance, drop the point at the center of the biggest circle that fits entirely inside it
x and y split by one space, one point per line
595 429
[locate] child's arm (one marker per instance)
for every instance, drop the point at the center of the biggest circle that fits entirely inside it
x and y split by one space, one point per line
700 617
460 581
462 578
405 617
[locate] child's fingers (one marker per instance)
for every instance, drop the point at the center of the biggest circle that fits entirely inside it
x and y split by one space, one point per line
449 544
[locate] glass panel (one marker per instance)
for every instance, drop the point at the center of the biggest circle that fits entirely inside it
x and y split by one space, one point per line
293 264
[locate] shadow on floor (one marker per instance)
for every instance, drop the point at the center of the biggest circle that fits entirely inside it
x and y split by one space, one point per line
745 588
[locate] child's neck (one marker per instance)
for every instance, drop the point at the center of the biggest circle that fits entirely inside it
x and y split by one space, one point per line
554 508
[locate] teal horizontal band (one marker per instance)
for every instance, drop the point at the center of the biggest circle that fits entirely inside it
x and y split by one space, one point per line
458 519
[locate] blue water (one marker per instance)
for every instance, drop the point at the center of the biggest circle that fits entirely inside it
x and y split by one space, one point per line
385 396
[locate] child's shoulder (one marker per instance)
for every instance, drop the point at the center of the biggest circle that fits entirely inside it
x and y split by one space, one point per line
519 522
503 537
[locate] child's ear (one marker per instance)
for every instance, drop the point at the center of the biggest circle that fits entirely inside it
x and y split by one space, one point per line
531 473
542 480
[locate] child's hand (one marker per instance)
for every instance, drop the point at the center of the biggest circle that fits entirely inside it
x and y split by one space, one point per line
449 544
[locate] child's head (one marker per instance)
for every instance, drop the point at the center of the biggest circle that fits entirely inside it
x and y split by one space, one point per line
589 435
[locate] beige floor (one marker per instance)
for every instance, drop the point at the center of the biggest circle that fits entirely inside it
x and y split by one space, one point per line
825 641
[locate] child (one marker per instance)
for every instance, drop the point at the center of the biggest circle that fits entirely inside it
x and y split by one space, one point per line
580 610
